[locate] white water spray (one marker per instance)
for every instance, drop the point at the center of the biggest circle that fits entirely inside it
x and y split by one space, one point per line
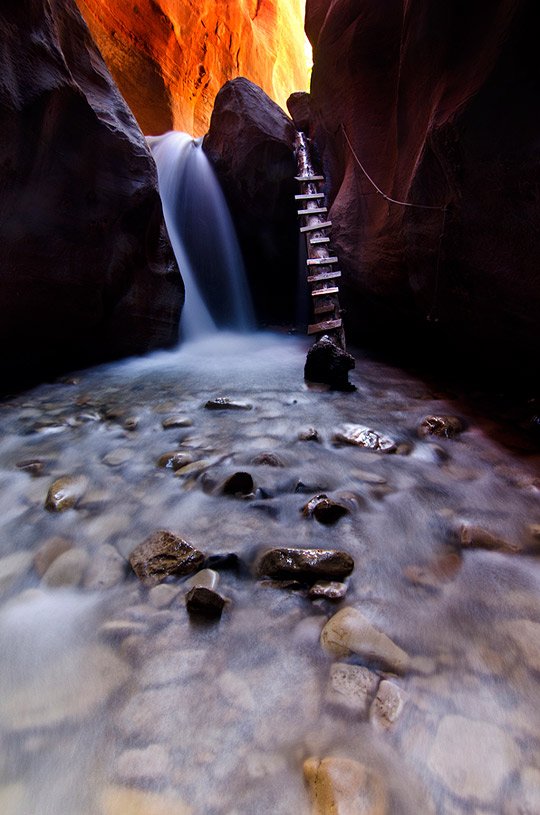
203 238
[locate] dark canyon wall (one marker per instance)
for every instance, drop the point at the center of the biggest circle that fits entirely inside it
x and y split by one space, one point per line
86 269
171 57
440 101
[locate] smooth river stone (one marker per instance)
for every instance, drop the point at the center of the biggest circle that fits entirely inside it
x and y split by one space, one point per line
341 786
349 631
327 590
176 421
473 759
127 801
307 564
206 578
65 492
48 552
351 686
388 704
107 568
67 569
162 554
67 689
204 602
362 436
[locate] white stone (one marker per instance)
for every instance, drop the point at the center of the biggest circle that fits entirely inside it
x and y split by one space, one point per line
208 578
349 630
351 686
473 758
162 596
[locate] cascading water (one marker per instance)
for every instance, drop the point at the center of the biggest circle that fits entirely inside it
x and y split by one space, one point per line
203 238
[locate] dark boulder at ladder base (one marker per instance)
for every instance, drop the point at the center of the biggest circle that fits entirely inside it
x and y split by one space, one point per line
163 554
250 143
329 364
204 602
87 271
310 565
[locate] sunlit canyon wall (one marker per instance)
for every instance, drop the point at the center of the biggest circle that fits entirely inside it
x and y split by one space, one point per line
171 57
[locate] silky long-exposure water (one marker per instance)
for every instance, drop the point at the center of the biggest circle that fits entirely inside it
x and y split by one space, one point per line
114 702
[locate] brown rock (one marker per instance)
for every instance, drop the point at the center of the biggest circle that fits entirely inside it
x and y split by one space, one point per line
329 364
341 786
65 492
204 602
324 510
163 554
444 426
91 274
267 460
305 564
350 631
67 569
224 403
48 552
476 537
32 466
176 421
175 460
310 434
362 436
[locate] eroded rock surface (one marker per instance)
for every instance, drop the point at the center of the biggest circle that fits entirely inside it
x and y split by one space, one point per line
162 554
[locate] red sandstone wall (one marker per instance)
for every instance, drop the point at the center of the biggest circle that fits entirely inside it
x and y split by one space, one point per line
170 57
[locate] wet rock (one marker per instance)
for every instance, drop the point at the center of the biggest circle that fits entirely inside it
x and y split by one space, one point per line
148 764
341 786
118 457
388 704
443 426
123 800
65 492
195 468
163 554
131 423
362 436
56 693
48 552
107 568
174 460
67 569
305 564
207 578
13 567
324 510
350 631
327 590
310 434
32 466
176 421
476 537
203 602
368 477
329 364
223 403
473 759
239 484
351 686
268 460
228 561
162 595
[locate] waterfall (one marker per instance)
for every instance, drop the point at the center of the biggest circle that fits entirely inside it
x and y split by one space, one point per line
203 238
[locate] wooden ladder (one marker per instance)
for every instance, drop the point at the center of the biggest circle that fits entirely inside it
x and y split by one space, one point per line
322 275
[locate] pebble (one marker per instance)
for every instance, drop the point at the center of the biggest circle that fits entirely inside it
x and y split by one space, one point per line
388 704
163 595
162 554
118 457
476 537
446 427
473 758
174 460
327 590
207 578
48 552
65 492
223 403
310 434
32 466
307 564
362 436
107 568
204 602
351 686
368 477
176 421
267 460
67 570
341 786
131 423
324 510
350 631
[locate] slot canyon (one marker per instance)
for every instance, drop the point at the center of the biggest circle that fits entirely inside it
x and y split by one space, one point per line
269 464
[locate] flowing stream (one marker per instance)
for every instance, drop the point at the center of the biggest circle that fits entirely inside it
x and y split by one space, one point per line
113 701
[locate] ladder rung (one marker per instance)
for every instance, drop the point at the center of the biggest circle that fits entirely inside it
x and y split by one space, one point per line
327 325
329 290
309 178
315 241
314 227
313 211
324 307
309 196
321 261
314 278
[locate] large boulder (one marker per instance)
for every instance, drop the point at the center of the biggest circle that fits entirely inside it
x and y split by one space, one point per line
251 146
440 105
87 271
170 58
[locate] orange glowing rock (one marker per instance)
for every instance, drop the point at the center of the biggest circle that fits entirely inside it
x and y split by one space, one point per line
170 57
